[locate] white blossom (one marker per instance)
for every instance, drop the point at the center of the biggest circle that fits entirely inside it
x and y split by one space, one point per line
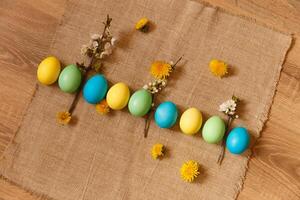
103 54
95 36
108 48
113 41
229 107
95 44
84 49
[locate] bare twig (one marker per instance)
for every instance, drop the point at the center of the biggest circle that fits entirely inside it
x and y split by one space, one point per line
179 59
148 119
222 153
77 95
147 123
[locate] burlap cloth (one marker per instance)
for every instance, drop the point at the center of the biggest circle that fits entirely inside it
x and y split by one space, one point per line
107 157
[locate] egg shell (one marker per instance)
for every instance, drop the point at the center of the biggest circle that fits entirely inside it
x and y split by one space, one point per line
166 114
95 89
69 79
213 130
140 103
117 96
190 121
238 140
48 70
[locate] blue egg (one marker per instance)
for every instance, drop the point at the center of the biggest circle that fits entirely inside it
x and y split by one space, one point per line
95 89
166 114
238 140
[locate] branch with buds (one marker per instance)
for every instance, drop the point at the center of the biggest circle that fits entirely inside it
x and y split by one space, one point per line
229 108
157 85
99 47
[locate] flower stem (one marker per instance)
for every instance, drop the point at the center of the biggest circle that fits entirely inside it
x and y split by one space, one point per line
147 123
148 119
222 153
76 97
174 65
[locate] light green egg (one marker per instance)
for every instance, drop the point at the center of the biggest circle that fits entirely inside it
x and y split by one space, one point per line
140 103
213 130
69 79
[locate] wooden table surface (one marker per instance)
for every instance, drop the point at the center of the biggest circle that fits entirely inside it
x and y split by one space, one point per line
26 31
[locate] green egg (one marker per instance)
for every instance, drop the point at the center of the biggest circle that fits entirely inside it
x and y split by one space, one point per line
140 103
69 79
213 130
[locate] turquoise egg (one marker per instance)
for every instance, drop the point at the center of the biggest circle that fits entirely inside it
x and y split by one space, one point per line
213 130
69 79
140 103
166 114
238 140
95 89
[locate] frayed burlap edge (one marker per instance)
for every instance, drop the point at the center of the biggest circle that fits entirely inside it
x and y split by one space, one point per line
60 23
20 124
264 118
248 18
36 195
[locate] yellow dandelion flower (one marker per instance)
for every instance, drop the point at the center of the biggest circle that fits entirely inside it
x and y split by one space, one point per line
157 151
63 117
142 24
189 170
218 68
160 70
102 107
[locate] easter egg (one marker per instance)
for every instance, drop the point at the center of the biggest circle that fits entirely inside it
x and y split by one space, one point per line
117 96
166 114
213 130
140 103
69 79
95 89
238 140
48 70
190 121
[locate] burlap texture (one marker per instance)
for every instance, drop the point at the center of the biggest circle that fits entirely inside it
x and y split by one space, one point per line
107 157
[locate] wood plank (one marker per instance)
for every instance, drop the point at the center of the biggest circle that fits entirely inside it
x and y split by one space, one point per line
26 31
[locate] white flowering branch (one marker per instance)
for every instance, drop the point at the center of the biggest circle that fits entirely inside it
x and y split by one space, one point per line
228 108
98 48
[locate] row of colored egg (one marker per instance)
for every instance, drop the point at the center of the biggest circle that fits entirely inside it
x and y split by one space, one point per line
213 130
139 104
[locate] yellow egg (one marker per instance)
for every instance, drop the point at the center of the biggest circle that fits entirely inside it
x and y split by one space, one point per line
117 96
48 70
190 121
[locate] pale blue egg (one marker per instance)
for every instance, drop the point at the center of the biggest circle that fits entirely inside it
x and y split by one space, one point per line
166 114
238 140
95 89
